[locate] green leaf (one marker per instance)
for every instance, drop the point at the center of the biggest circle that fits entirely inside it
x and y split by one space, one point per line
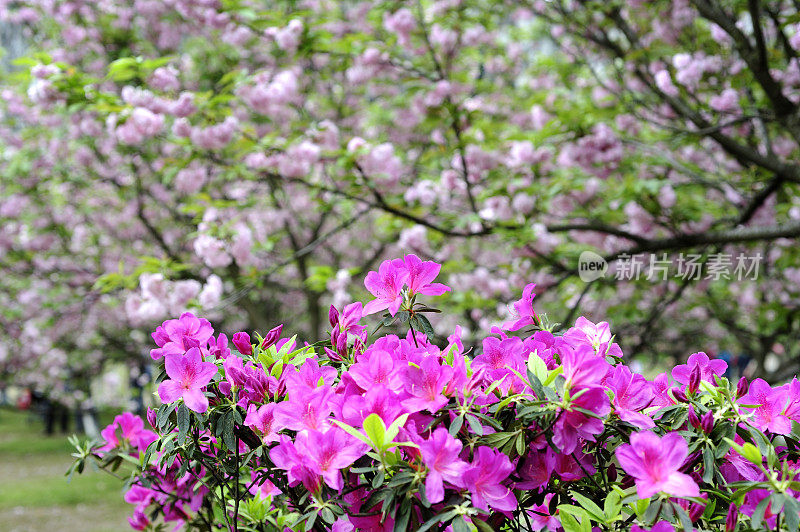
482 526
497 439
459 525
474 424
375 430
456 425
686 522
591 508
792 513
612 506
537 367
227 431
352 431
552 376
425 325
569 522
438 518
708 464
394 428
183 421
758 513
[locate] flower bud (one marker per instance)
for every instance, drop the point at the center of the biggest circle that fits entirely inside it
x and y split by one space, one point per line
333 355
741 387
341 344
707 422
693 419
242 342
358 347
679 395
694 380
151 417
612 473
272 337
696 510
733 517
333 316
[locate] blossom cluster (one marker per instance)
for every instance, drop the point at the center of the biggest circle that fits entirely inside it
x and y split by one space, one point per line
531 430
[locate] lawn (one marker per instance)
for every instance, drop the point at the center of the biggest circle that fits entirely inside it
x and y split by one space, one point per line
34 493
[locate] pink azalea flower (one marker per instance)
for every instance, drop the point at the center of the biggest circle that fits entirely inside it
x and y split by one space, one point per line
219 348
660 387
347 320
139 521
654 464
708 368
264 489
769 414
175 337
440 455
329 452
793 396
536 469
499 354
583 367
306 409
386 285
262 419
523 310
425 385
574 466
377 370
420 275
254 385
377 400
540 516
310 375
573 424
131 429
632 394
188 374
485 477
313 454
587 333
287 456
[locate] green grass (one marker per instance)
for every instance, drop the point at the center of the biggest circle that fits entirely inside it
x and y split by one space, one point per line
34 492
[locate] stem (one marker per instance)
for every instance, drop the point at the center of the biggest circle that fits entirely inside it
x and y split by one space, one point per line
236 501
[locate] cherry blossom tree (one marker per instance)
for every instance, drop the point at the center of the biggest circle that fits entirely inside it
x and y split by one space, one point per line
254 160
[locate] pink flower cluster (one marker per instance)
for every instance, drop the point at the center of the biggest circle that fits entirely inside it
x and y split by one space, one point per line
456 415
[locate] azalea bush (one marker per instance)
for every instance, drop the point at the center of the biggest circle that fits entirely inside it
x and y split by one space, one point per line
372 430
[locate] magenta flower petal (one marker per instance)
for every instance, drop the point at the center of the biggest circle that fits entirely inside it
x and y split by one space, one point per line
195 400
169 391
